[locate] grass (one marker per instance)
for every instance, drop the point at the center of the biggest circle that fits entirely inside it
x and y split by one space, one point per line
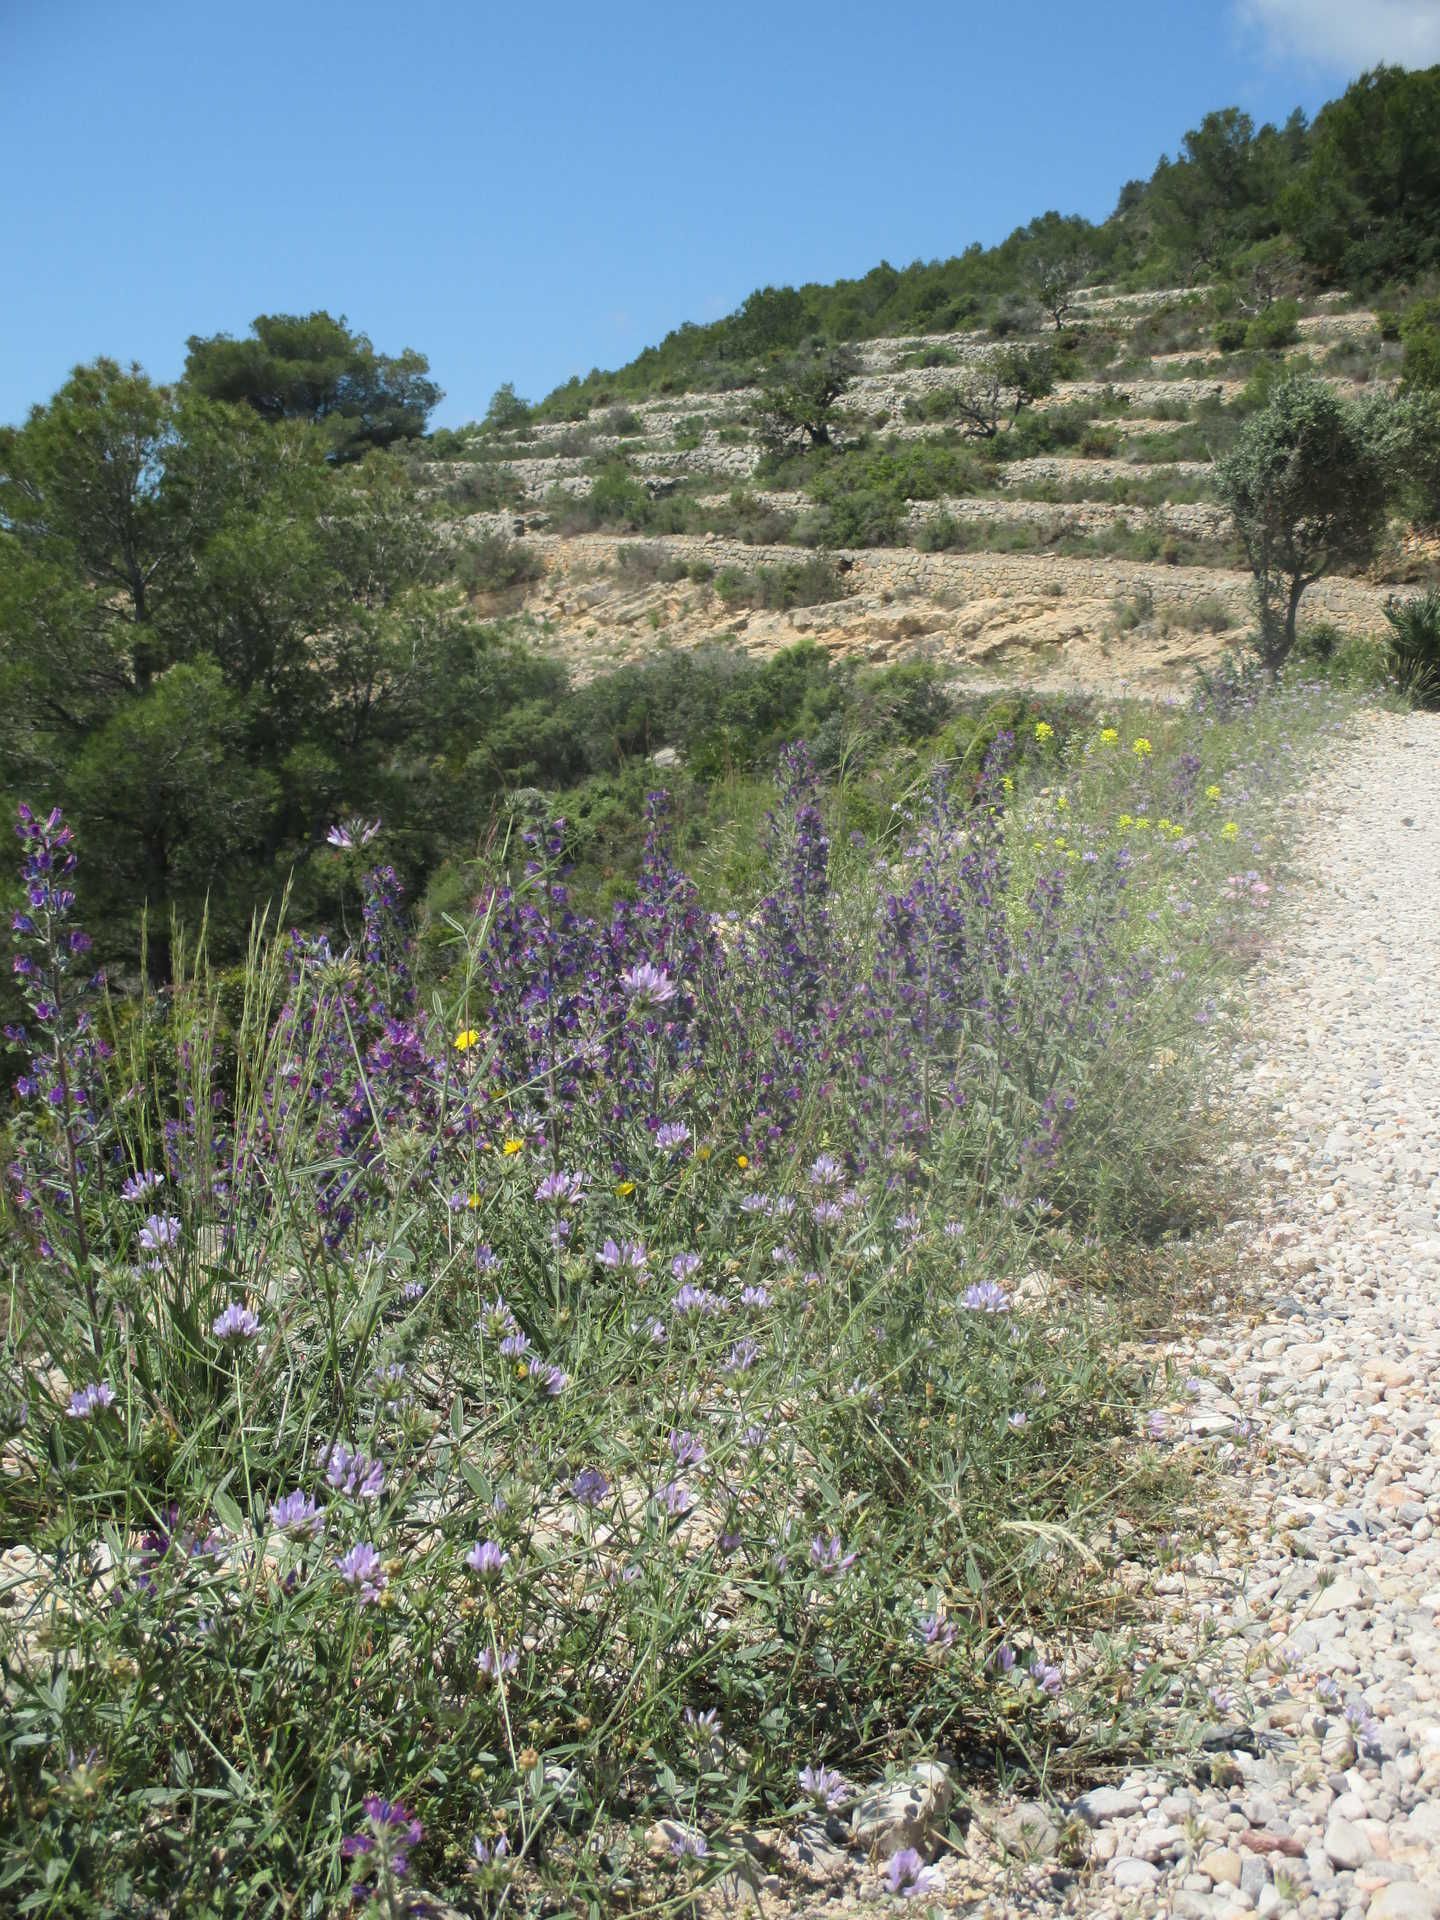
673 1355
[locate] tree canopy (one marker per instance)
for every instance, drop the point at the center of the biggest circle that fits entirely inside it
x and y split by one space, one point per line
312 367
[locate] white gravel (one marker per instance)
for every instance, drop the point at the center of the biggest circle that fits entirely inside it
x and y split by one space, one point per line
1314 1608
1325 1579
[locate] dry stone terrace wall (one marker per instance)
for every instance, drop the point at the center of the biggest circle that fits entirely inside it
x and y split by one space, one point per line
1352 605
1064 470
1197 519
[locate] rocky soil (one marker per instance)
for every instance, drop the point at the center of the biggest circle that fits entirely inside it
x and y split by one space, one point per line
1314 1608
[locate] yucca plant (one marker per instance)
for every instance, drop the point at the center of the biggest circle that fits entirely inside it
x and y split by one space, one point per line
1414 645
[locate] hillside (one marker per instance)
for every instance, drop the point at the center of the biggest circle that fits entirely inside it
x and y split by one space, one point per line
1082 543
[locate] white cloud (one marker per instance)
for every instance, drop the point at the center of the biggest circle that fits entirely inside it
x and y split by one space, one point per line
1349 34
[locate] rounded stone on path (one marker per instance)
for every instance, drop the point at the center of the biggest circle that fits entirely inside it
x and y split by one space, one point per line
1107 1803
1345 1845
1403 1900
1222 1865
1029 1831
903 1813
1134 1873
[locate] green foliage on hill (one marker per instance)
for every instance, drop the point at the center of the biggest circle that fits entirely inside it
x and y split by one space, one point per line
1349 200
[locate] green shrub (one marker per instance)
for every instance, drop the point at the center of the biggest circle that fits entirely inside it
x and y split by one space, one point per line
798 583
494 562
1277 326
483 488
1420 333
1230 333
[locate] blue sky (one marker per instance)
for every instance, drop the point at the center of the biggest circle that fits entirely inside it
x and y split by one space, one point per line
526 190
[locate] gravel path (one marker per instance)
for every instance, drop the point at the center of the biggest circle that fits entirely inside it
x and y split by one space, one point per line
1326 1581
1315 1607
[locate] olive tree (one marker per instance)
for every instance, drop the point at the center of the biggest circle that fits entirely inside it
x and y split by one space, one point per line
993 393
798 399
1306 488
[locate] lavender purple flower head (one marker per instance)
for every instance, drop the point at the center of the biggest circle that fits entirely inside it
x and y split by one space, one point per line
361 1570
908 1876
86 1401
826 1787
235 1324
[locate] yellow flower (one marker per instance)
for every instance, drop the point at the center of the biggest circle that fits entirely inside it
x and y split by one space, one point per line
1060 842
1007 783
742 1160
473 1202
512 1147
1229 831
1142 748
1212 793
703 1153
1109 736
625 1189
1142 824
1126 820
1044 730
1162 824
467 1038
1063 804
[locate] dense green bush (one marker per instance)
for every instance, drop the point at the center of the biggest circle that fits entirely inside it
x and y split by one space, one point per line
799 583
494 562
1276 326
1420 335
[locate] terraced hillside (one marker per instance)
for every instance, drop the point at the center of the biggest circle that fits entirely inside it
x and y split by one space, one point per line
1080 544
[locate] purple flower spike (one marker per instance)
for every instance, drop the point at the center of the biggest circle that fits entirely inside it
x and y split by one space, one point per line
354 1473
497 1666
589 1487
